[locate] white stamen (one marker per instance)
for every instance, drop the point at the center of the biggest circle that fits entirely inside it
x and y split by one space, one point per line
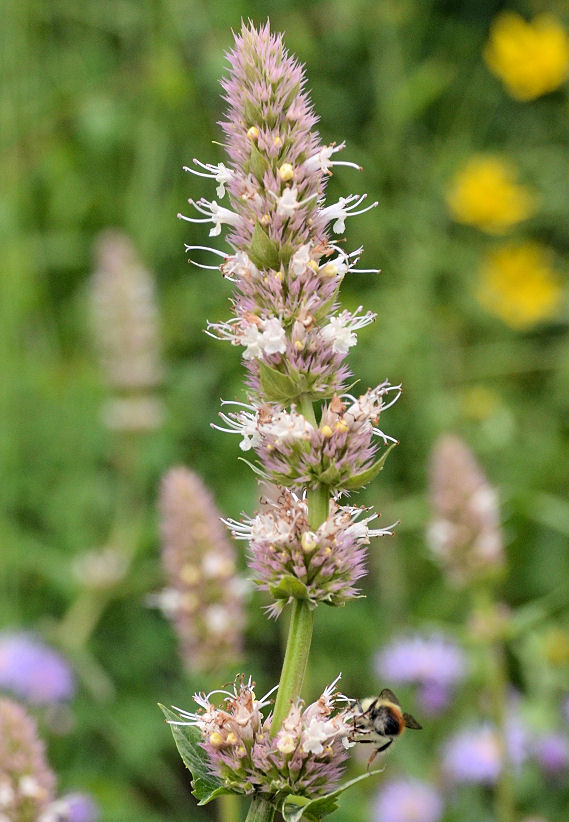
220 173
244 423
345 208
206 248
287 203
321 160
214 214
340 330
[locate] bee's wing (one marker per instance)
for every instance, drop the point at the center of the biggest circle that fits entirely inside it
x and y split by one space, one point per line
411 722
389 695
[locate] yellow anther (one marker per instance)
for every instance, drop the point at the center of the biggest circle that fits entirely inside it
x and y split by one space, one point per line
286 172
279 275
253 133
241 751
313 265
231 738
327 550
278 142
308 542
326 431
286 744
216 739
265 219
329 270
342 426
299 345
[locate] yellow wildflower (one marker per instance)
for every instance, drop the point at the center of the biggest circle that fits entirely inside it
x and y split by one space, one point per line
531 58
518 285
484 193
479 402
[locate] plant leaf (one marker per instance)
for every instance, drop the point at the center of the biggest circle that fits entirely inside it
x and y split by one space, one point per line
263 251
205 786
294 808
277 386
361 479
289 586
257 163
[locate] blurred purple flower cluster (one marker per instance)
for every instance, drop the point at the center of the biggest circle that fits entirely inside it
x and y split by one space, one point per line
435 663
408 800
33 671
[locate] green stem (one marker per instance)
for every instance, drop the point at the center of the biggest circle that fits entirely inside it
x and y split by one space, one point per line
296 657
228 808
299 633
260 811
497 678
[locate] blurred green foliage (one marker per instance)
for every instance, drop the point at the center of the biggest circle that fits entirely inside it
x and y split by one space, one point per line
102 104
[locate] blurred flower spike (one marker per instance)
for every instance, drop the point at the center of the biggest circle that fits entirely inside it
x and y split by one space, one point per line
305 756
408 800
518 284
435 663
27 783
530 58
33 671
204 597
125 328
292 561
464 536
485 193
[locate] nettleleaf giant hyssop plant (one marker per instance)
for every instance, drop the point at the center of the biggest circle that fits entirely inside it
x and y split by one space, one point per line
309 440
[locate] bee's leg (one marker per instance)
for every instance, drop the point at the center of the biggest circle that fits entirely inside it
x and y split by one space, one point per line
378 750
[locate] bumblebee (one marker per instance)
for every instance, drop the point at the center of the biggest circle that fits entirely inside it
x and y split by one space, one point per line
379 720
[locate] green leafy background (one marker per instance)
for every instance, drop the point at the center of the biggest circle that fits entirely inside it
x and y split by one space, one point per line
102 104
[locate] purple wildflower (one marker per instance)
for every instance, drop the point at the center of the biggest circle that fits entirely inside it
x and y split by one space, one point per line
435 663
304 757
465 534
408 800
204 598
324 565
33 671
551 752
475 754
74 807
26 781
